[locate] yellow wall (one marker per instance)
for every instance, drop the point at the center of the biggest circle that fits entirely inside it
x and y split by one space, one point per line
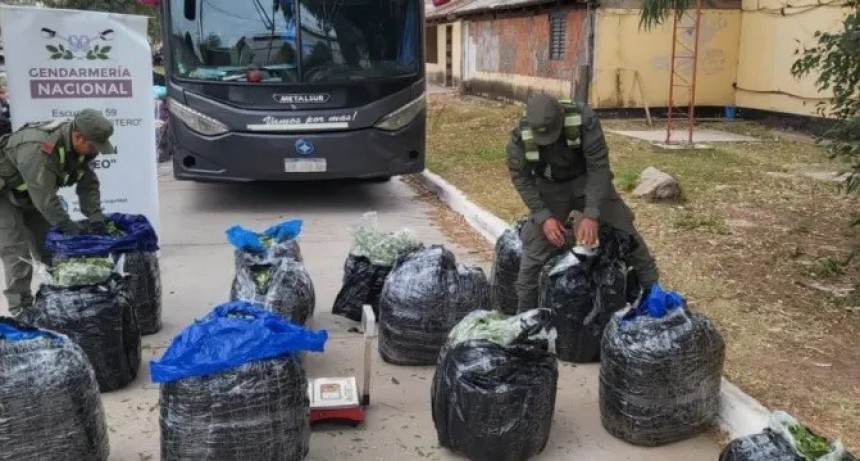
438 68
621 49
768 42
439 65
753 48
456 50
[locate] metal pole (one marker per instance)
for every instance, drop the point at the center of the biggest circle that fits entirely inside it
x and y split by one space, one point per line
691 118
672 57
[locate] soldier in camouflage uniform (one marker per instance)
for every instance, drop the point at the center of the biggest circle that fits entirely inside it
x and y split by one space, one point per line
35 162
558 162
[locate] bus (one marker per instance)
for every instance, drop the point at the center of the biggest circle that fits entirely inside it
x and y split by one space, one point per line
294 89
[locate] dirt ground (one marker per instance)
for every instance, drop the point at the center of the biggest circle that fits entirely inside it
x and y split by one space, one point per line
761 242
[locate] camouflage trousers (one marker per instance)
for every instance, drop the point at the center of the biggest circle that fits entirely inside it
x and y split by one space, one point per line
563 198
22 237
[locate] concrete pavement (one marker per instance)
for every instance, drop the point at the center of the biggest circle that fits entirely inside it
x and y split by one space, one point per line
197 265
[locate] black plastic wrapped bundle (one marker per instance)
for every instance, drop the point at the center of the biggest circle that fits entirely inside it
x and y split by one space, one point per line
492 399
50 408
100 319
785 439
424 296
233 387
277 242
131 237
660 373
257 411
370 259
584 288
764 446
286 249
506 269
144 287
282 285
362 284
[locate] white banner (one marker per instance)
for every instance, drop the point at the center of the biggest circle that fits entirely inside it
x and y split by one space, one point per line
59 62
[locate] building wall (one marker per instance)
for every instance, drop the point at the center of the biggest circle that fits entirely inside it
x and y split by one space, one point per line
435 66
436 70
510 56
457 51
745 55
768 42
622 50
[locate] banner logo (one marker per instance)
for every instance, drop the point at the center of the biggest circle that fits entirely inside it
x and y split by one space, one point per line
78 46
90 80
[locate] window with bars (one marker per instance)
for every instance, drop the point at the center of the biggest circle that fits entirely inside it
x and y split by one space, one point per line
557 33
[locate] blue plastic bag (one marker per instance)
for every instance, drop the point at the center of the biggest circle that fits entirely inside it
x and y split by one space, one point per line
247 240
231 335
139 236
657 304
14 331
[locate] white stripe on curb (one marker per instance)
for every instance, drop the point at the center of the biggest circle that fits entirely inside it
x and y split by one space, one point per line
739 415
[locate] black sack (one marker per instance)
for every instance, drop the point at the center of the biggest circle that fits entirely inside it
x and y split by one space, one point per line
508 253
281 285
764 446
362 284
50 408
100 319
583 289
143 284
785 439
493 402
369 262
424 296
258 411
128 237
288 248
144 288
660 376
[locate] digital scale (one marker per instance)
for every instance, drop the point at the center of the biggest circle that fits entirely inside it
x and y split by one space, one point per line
338 400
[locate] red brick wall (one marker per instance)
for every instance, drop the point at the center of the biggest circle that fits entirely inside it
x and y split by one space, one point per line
520 45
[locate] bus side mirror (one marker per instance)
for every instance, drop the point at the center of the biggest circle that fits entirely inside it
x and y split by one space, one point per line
190 9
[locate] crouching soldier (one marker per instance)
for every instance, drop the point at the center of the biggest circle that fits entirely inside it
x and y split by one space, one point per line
35 162
558 162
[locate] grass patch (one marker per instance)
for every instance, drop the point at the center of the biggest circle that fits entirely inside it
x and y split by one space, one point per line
827 268
743 248
627 178
692 221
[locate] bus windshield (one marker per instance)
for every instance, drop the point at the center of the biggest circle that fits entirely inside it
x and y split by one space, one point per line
340 40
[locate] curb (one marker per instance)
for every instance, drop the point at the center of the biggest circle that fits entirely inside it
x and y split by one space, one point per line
739 415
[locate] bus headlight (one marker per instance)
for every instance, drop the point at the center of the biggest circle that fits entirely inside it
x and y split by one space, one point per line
402 116
198 122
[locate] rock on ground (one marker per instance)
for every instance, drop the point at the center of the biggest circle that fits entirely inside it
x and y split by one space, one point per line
657 185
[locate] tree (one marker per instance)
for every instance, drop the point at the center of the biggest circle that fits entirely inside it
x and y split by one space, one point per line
654 12
115 6
835 57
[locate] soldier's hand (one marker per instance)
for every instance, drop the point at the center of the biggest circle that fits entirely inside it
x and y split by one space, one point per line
71 228
587 232
554 231
98 227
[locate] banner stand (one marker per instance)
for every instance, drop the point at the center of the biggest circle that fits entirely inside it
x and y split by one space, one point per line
60 62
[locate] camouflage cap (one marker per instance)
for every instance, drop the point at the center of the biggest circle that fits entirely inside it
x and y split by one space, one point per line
96 128
544 116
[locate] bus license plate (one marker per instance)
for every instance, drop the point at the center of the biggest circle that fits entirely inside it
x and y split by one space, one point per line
305 165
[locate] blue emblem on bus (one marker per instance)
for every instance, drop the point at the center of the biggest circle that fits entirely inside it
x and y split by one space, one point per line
304 147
